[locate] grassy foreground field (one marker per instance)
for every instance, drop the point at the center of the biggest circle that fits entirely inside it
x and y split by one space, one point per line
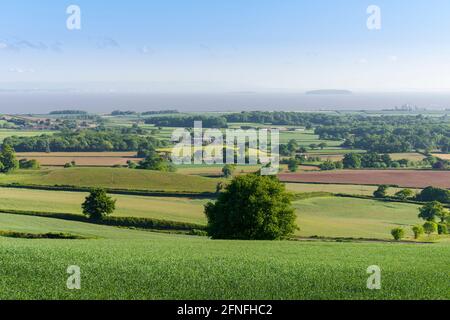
114 178
130 264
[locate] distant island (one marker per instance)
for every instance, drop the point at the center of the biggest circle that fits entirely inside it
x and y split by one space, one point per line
329 92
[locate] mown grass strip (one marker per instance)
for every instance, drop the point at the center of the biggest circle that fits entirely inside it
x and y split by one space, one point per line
309 195
128 222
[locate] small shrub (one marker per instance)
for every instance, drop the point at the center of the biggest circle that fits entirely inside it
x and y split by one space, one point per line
418 231
398 233
442 228
199 233
28 164
430 227
405 194
381 192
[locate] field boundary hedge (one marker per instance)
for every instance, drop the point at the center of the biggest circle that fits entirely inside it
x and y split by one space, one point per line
387 199
128 222
350 184
131 192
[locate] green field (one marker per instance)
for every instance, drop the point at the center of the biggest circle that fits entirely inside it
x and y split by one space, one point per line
116 178
173 209
349 217
131 264
304 139
5 133
324 216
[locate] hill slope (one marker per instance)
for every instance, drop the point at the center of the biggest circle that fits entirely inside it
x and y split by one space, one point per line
114 178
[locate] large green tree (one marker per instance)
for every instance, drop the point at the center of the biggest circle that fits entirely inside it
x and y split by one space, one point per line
98 205
433 210
352 161
157 163
8 161
252 207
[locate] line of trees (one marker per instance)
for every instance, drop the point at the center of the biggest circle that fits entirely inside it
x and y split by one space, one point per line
84 140
188 121
8 161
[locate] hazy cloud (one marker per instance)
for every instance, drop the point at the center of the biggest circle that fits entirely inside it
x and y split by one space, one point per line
146 50
106 43
393 58
363 61
21 70
21 44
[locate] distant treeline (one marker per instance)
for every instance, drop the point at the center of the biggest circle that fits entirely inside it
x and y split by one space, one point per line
84 141
147 113
59 112
188 121
381 134
390 134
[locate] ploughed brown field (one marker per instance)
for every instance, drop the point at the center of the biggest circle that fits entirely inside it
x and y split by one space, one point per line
402 178
100 159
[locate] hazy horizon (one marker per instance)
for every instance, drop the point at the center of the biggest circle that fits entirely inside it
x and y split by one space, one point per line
41 103
203 46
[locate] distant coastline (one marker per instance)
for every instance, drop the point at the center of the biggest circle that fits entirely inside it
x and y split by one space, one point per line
329 92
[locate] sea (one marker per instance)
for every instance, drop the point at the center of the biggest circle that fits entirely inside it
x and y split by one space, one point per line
44 102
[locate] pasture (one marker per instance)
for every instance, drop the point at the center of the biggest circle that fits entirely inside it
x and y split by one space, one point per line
130 264
172 208
114 178
356 218
324 216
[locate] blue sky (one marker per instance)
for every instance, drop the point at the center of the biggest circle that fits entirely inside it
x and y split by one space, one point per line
227 45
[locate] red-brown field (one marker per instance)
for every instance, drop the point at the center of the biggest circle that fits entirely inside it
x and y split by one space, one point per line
99 159
402 178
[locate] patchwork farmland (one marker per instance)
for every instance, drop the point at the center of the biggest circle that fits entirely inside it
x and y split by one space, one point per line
157 237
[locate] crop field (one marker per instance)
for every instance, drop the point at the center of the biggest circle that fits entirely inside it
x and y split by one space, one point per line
214 170
87 159
362 190
117 178
31 155
356 218
129 264
444 156
333 151
5 133
401 178
305 138
172 208
412 156
82 161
